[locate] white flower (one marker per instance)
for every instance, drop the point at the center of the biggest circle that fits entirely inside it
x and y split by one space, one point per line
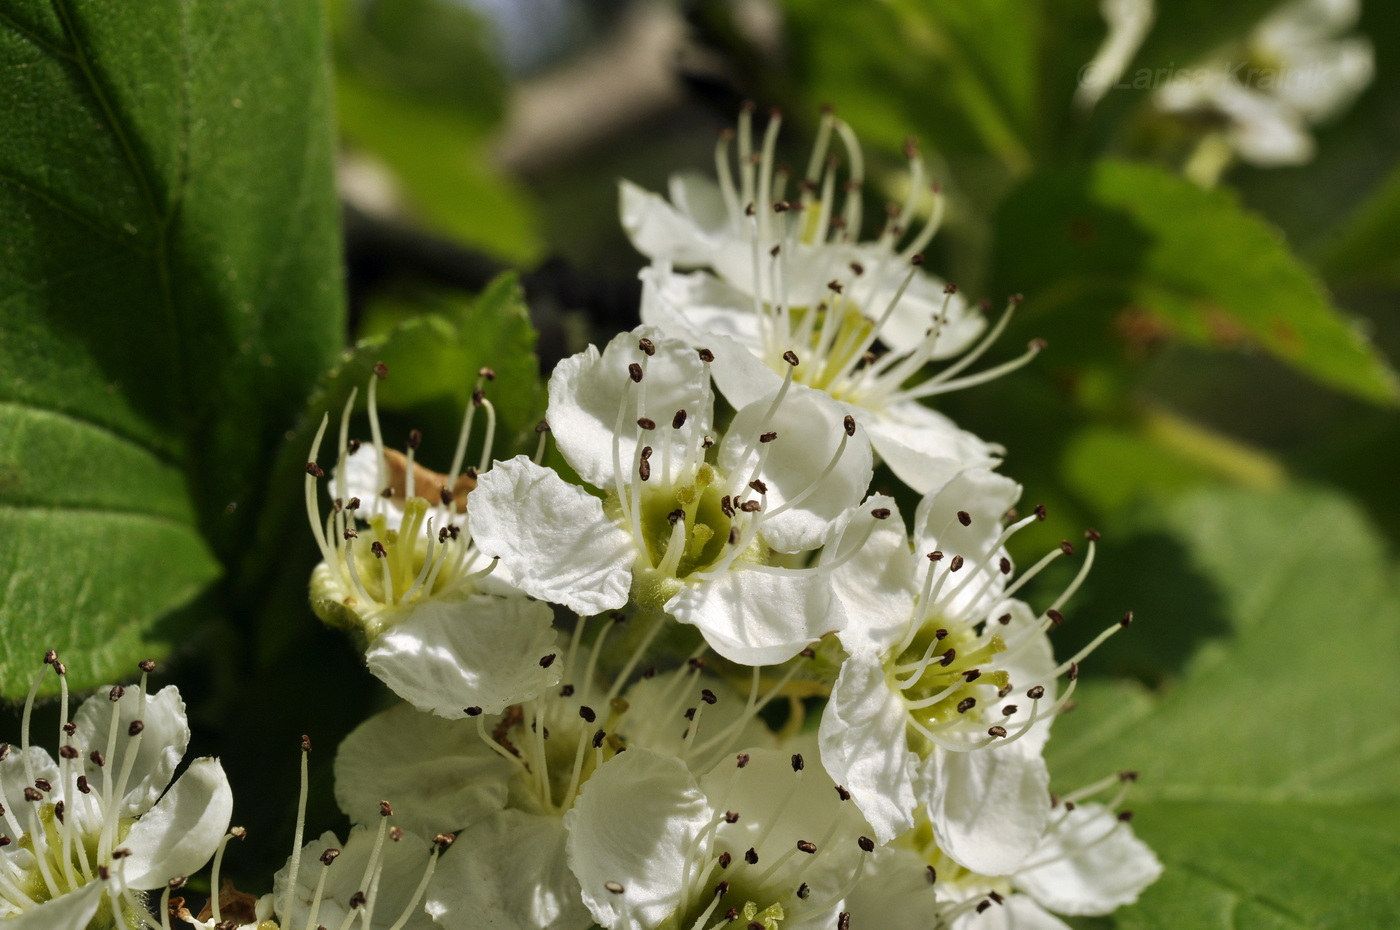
1086 863
88 833
397 568
946 697
785 278
506 783
764 838
1292 72
689 525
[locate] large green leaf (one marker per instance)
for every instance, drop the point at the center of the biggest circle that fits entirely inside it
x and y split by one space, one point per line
1187 261
170 291
1270 771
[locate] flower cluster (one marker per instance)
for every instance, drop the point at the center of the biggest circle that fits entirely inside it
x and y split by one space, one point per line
703 676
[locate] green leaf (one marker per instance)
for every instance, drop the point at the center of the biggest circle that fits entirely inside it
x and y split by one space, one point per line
1270 772
1186 260
1366 248
170 290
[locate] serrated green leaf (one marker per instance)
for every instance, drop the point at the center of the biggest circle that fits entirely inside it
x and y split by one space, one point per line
1270 772
1119 235
170 290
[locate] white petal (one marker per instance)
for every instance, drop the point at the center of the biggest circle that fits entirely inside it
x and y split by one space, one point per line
985 497
810 429
653 721
179 835
1017 912
164 736
480 651
587 391
923 447
1090 864
365 480
402 863
553 536
14 779
739 372
894 893
697 307
508 872
989 807
876 587
660 231
920 308
699 198
1031 665
758 617
633 824
65 911
437 774
863 746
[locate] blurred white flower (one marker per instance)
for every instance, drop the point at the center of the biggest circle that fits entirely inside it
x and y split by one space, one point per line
1292 72
1128 24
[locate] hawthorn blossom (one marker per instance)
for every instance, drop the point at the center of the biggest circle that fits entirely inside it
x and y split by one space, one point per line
505 783
782 276
945 700
1087 863
1293 71
706 530
1128 24
88 834
398 569
764 839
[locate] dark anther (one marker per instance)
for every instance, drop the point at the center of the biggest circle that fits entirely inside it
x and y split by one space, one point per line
315 470
1036 693
751 856
798 763
1125 816
30 794
964 518
136 727
1073 672
1005 565
706 355
721 889
997 732
1037 345
808 653
352 447
880 513
1039 512
445 496
43 784
843 793
835 286
68 752
329 856
58 810
803 890
995 897
966 704
972 674
385 810
1066 548
415 438
598 739
742 759
758 485
932 875
566 691
396 833
472 711
377 548
646 422
305 743
956 563
1127 619
1128 776
843 920
97 759
83 784
708 696
791 358
678 420
51 657
731 915
948 657
767 437
1009 710
724 860
381 370
634 371
750 506
353 504
866 843
695 663
983 905
547 661
690 713
1004 619
644 470
777 248
675 516
849 425
755 925
804 846
1055 616
935 556
646 345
